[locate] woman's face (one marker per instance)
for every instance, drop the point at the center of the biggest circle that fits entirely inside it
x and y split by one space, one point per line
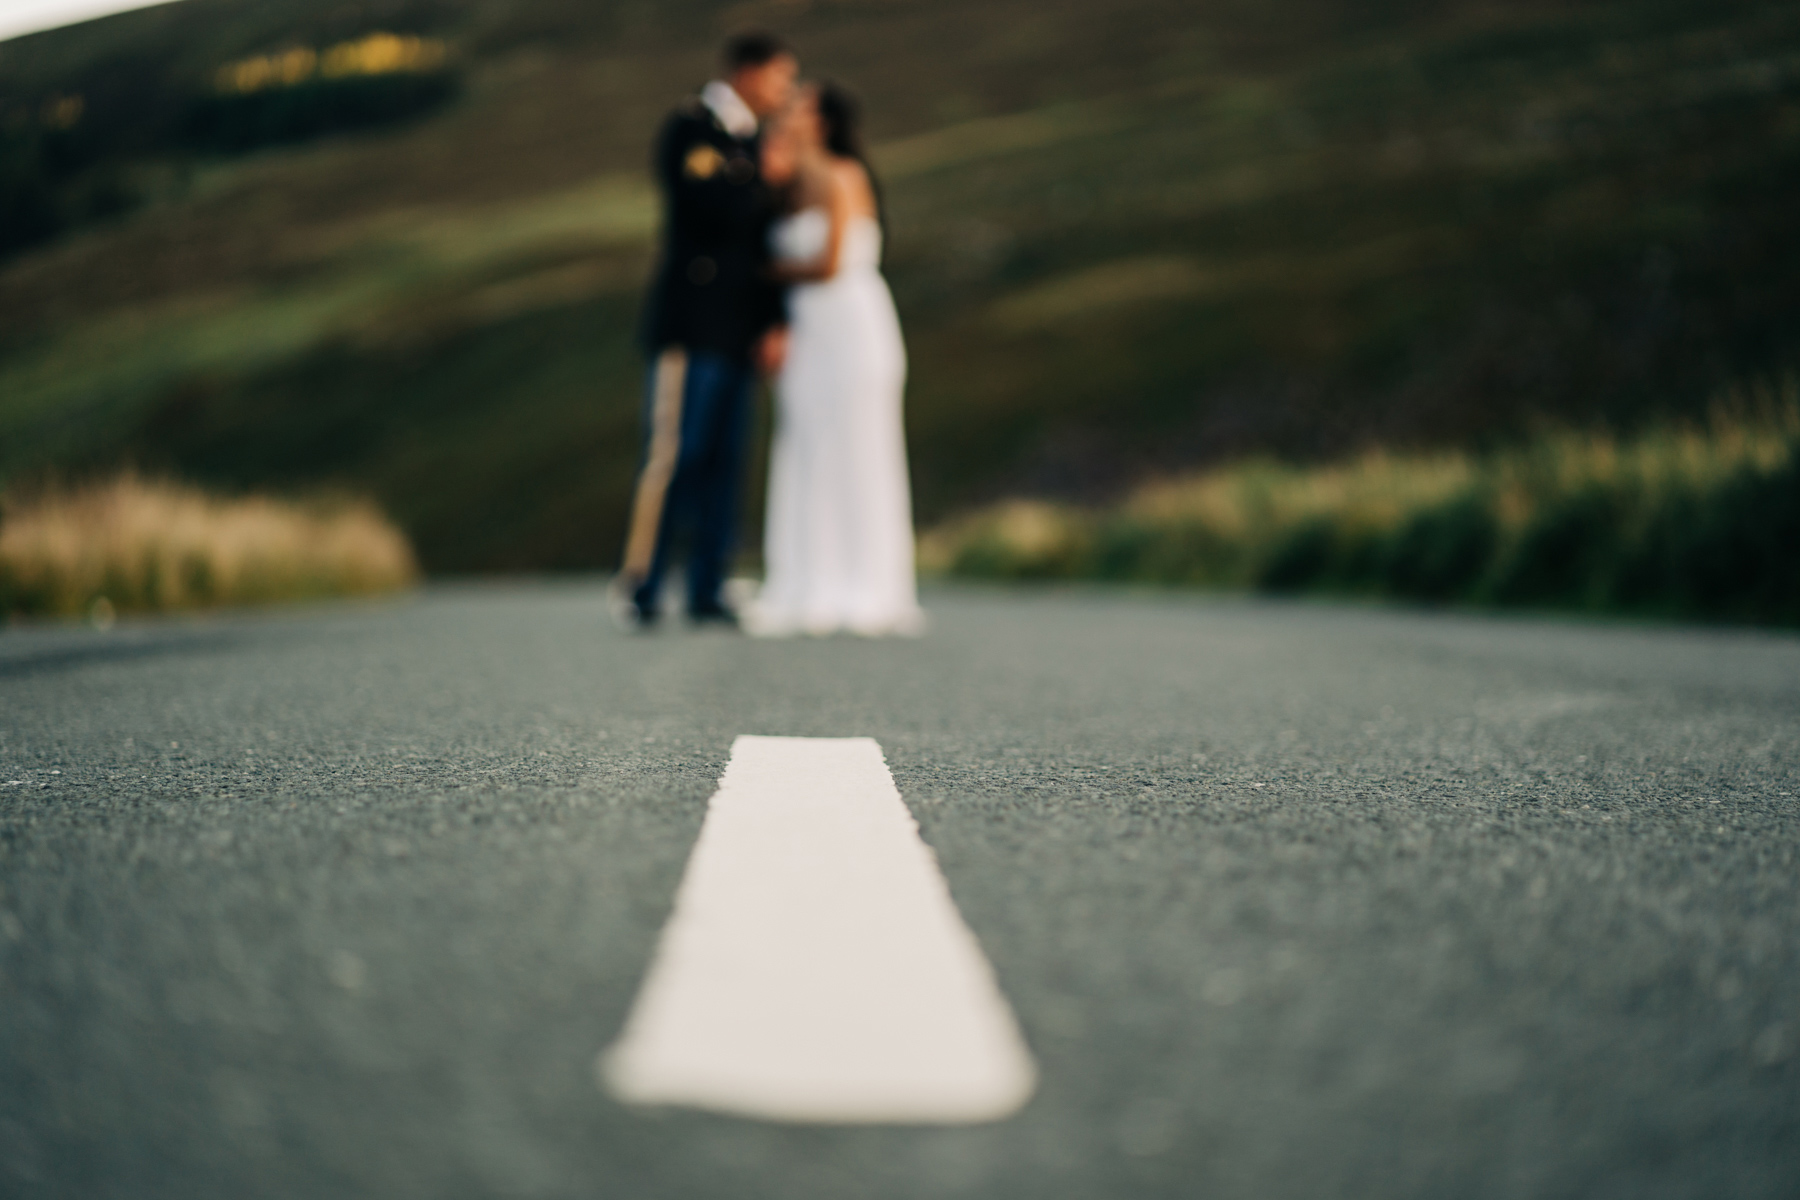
790 137
802 119
780 155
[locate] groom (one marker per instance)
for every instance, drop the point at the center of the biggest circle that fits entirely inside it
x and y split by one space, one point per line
712 319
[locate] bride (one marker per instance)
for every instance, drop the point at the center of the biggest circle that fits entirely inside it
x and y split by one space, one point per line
838 543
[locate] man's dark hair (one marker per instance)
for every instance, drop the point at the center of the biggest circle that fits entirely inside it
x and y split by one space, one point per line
753 48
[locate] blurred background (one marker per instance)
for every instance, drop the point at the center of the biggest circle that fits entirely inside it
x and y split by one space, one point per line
1456 301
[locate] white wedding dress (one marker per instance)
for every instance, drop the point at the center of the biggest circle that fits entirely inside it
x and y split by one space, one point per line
838 541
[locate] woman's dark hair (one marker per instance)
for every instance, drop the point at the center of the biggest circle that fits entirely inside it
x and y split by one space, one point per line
840 120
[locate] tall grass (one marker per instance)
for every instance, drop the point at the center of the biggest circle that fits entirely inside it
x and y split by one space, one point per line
134 544
1692 521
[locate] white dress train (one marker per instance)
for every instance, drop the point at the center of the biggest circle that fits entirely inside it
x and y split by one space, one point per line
838 540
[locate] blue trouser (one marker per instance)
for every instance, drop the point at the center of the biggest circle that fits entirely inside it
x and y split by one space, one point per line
696 418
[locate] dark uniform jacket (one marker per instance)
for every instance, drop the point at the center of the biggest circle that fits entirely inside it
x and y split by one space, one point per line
711 290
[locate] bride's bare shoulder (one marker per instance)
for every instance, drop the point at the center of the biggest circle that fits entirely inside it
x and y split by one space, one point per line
850 180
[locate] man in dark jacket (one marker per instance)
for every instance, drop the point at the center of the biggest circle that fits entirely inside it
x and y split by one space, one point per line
713 318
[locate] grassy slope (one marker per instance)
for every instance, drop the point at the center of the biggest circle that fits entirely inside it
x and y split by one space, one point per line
1127 237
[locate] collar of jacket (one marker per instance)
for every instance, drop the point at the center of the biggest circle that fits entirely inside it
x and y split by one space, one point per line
729 108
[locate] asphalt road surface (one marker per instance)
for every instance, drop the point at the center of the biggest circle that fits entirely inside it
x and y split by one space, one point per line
1290 901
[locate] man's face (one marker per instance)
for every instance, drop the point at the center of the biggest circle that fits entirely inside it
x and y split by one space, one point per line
766 88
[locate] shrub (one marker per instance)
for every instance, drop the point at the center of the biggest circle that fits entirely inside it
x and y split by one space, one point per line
302 93
1701 522
1440 553
1301 557
1560 555
235 123
132 544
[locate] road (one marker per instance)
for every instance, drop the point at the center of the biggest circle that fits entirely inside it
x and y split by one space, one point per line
1289 900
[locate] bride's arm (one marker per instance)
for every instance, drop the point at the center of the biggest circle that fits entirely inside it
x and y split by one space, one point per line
837 212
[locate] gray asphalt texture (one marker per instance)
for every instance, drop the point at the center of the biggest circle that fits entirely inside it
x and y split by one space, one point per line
1291 900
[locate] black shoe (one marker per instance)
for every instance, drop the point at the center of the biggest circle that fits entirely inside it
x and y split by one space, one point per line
714 616
628 613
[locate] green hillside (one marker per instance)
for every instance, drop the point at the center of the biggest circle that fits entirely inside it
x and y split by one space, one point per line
1128 239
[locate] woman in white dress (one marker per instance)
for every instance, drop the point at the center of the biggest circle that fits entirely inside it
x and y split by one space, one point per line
838 543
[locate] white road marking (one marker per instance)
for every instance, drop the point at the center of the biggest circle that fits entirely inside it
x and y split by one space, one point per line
815 968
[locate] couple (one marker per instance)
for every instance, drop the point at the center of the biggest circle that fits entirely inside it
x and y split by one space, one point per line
771 248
